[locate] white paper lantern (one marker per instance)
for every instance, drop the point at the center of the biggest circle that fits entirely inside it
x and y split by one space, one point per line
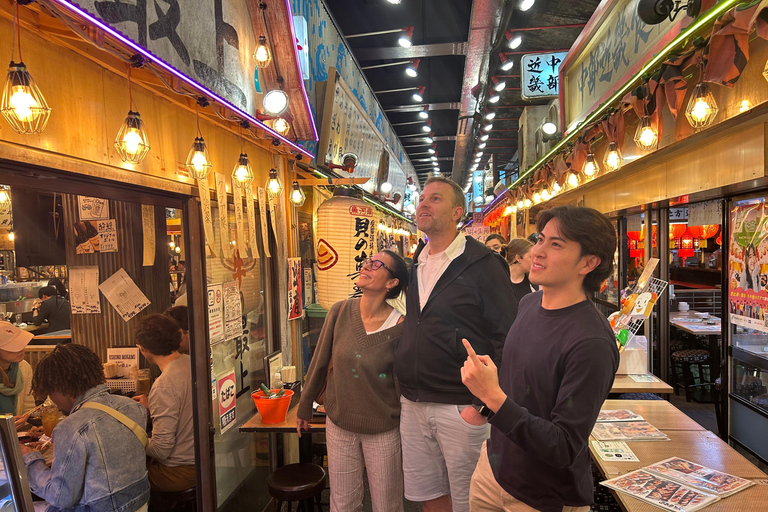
345 237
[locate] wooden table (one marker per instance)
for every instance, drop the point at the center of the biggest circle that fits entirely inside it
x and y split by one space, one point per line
287 427
659 413
625 384
702 447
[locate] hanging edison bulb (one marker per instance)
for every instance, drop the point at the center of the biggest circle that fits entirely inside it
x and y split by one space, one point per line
591 168
198 160
281 126
297 195
23 105
702 108
545 195
131 142
613 157
646 135
573 180
242 174
262 55
520 205
527 202
5 196
536 198
274 187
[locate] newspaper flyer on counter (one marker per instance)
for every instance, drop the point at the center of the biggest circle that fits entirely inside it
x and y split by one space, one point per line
618 415
627 431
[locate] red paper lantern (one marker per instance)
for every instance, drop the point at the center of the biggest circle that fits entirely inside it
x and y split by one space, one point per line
710 230
676 230
696 231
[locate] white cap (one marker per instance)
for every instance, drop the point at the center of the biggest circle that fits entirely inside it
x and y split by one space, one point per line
13 339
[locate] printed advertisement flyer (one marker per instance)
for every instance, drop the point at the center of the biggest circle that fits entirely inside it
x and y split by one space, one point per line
748 266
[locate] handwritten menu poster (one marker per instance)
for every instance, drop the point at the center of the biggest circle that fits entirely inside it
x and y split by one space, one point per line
239 225
295 278
251 211
221 199
215 313
92 208
84 290
233 311
205 206
107 235
124 295
148 234
264 230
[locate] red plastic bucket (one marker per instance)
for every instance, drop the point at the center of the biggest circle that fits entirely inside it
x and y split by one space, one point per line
272 410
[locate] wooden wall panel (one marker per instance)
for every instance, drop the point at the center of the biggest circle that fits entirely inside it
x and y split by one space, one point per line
108 329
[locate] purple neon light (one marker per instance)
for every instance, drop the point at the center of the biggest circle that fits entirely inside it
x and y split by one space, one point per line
184 77
301 82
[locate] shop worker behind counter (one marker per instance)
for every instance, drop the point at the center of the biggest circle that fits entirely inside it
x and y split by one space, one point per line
458 289
559 361
52 307
99 463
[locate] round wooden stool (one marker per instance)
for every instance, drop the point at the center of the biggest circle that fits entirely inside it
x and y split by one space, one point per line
297 482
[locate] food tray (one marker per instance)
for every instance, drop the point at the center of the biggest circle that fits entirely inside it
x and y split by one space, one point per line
124 385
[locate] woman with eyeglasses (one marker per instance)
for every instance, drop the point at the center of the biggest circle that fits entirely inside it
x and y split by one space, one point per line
353 361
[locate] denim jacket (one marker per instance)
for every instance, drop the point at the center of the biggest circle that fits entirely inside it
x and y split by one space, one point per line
99 465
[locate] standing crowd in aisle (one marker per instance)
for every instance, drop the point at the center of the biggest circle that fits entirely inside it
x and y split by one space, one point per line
481 394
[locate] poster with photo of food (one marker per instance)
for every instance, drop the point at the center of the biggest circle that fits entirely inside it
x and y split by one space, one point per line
748 265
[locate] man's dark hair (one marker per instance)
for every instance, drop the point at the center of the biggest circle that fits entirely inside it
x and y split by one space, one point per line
458 193
158 334
180 314
60 288
398 270
592 231
69 369
48 291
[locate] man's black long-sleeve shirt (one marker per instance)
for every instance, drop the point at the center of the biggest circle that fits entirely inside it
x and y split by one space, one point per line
557 369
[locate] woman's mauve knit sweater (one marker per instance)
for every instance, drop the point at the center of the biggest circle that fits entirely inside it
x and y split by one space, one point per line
362 394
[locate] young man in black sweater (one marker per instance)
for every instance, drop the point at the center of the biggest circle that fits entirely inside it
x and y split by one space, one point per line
558 365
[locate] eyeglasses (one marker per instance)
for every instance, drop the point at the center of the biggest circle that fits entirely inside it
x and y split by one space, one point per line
372 264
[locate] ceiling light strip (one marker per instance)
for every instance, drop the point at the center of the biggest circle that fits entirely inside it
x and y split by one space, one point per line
660 57
117 35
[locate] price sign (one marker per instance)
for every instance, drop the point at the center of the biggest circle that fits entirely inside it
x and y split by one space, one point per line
227 400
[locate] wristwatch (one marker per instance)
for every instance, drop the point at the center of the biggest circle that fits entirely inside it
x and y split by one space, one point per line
482 409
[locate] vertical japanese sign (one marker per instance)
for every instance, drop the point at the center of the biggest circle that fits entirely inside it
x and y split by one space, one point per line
148 234
364 239
263 210
221 199
295 309
233 311
477 188
748 266
541 75
205 203
227 400
107 235
239 222
215 314
251 211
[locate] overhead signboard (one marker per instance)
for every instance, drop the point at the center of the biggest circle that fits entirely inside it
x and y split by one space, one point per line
541 75
613 46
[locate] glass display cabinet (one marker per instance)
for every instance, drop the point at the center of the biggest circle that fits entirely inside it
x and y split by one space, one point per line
14 487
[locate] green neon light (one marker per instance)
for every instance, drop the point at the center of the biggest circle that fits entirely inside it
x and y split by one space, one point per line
386 208
660 57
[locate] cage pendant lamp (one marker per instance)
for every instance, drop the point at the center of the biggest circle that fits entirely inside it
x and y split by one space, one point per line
702 108
199 160
131 142
646 135
242 175
23 105
262 56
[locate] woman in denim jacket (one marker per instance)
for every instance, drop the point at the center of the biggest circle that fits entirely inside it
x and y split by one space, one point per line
99 465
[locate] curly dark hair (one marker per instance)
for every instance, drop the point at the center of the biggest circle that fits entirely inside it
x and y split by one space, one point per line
159 334
180 314
593 232
69 369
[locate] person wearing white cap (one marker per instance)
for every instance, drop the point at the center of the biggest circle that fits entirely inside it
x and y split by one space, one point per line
15 372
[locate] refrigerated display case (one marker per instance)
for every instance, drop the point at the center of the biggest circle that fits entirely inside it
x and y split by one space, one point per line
14 487
748 330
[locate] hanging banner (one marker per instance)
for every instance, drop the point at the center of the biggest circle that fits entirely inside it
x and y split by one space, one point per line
264 229
748 266
233 311
238 193
221 198
251 211
541 75
205 202
148 231
295 309
706 213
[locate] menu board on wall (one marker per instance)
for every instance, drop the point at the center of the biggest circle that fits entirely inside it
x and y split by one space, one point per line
748 266
347 128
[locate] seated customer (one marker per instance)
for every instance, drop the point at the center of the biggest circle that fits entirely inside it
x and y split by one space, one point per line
99 462
172 445
51 307
15 372
181 315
